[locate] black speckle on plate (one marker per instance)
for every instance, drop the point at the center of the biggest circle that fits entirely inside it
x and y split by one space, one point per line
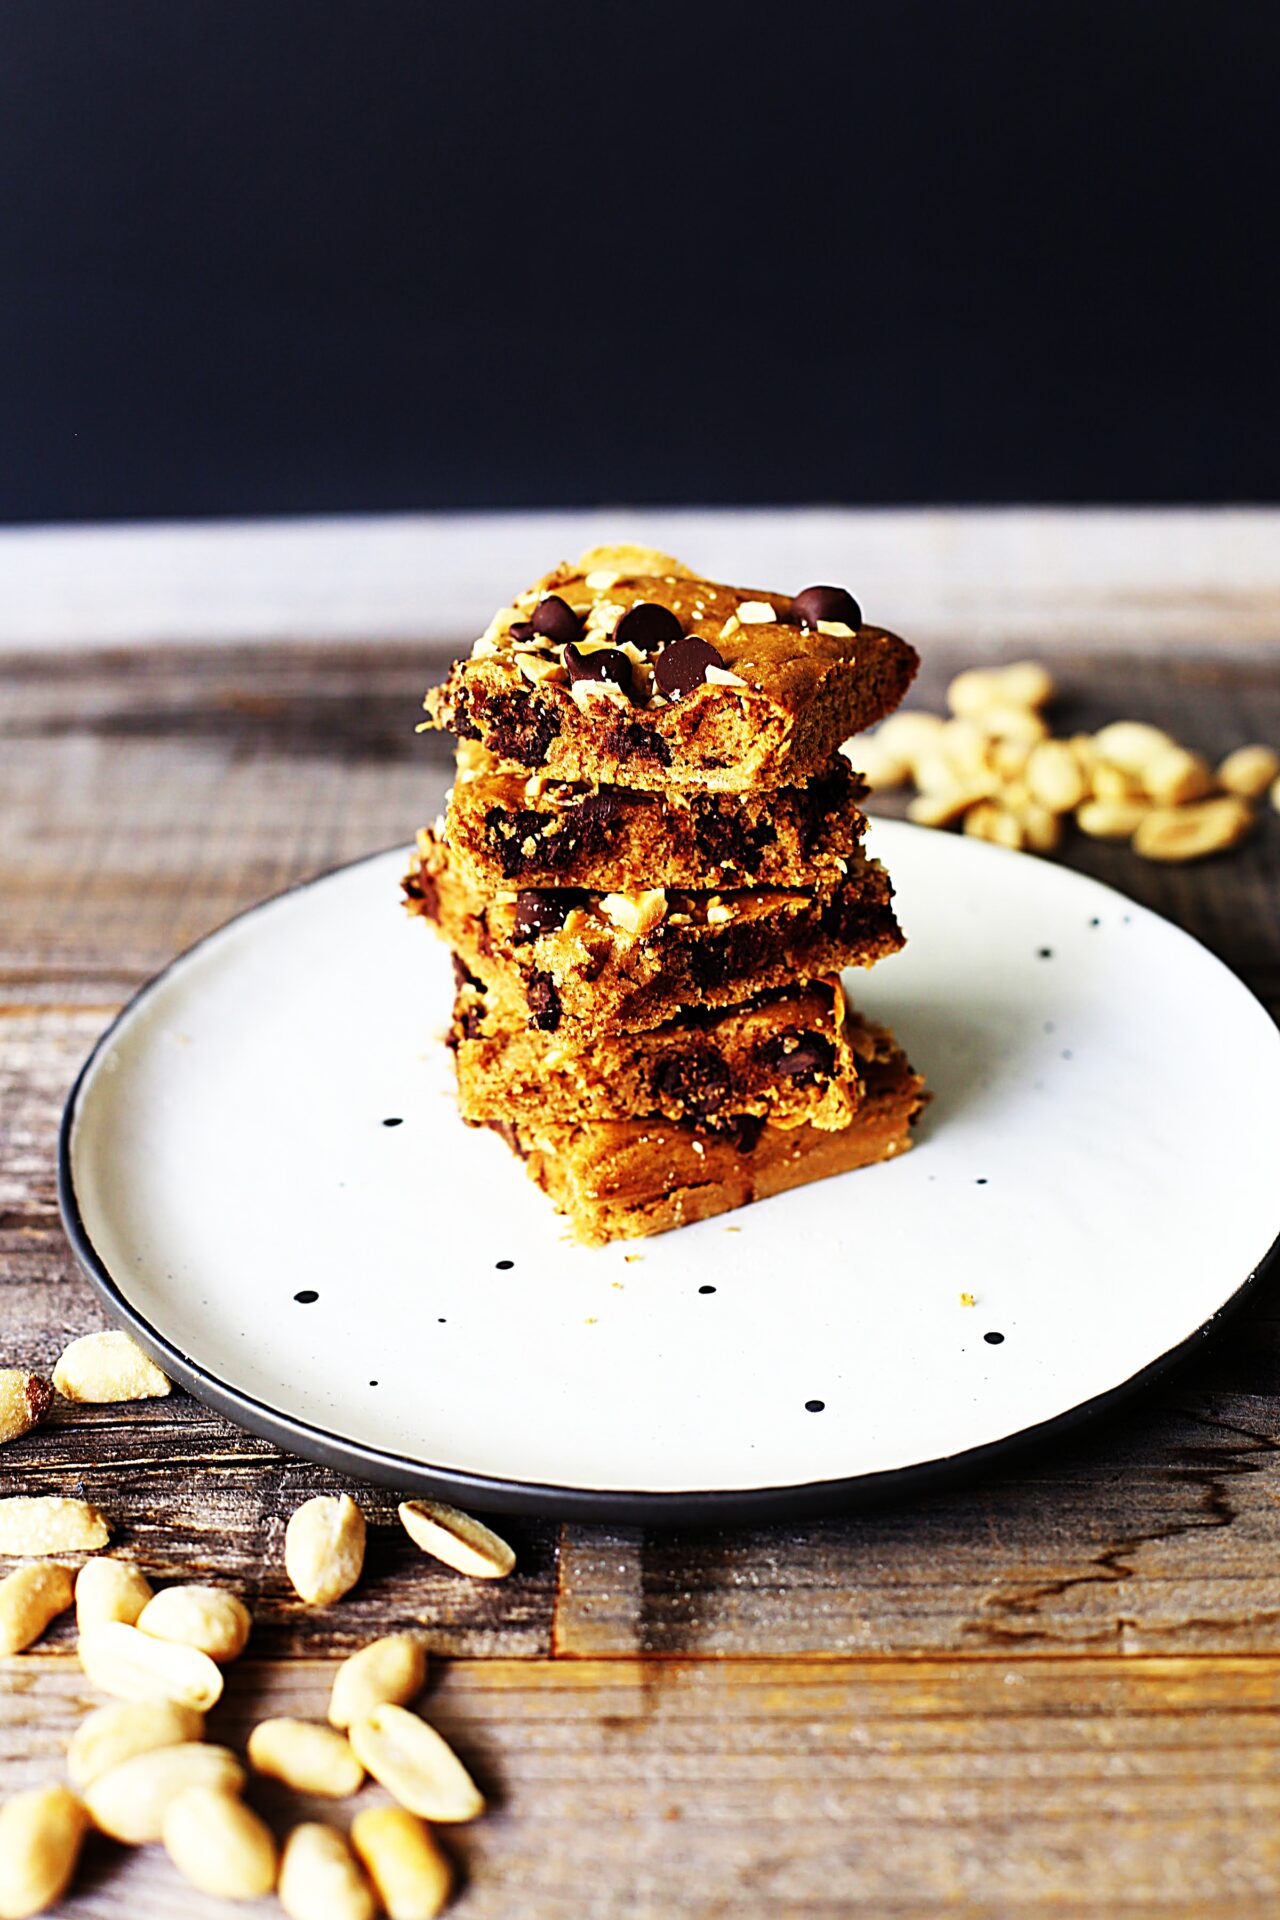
373 1383
814 1406
442 1322
394 1121
706 1289
1044 953
994 1339
504 1266
1067 1054
307 1296
981 1181
1095 922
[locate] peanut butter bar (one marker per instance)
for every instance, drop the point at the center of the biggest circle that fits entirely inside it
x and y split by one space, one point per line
507 829
622 1179
784 1057
627 668
604 963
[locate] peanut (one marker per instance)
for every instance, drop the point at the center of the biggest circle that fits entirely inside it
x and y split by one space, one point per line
41 1832
30 1598
410 1873
106 1367
1175 776
133 1665
1113 783
45 1523
1005 721
113 1734
635 913
308 1757
1023 683
320 1877
1041 827
1192 832
416 1765
910 734
1129 744
880 766
388 1672
110 1590
987 821
1027 683
1111 819
1009 758
1250 771
209 1618
25 1399
219 1844
450 1535
324 1548
1055 777
130 1801
945 805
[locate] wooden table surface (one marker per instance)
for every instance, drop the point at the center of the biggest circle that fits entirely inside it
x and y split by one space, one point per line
1055 1689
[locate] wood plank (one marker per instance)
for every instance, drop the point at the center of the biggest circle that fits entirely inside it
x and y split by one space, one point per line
645 1789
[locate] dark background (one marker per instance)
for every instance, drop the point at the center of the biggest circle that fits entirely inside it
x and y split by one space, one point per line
264 257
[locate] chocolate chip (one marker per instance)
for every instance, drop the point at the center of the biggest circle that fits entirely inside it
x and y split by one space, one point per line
542 910
522 630
648 626
516 728
544 1002
556 620
744 1132
683 665
697 1082
799 1056
827 603
606 663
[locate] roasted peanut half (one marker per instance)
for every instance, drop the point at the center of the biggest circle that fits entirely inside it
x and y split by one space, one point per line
1190 833
130 1800
109 1366
209 1618
112 1734
110 1590
30 1597
25 1399
1111 819
455 1537
1175 776
1130 744
308 1757
388 1672
219 1845
41 1832
320 1877
136 1666
416 1765
324 1548
1055 777
46 1523
411 1874
1250 771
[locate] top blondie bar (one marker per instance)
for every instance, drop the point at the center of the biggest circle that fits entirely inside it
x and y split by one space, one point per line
626 667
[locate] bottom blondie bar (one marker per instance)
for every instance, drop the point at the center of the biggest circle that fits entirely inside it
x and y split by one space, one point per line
623 1179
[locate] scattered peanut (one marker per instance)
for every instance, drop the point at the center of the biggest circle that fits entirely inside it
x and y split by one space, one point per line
1189 833
416 1765
1113 783
130 1801
1111 819
320 1877
1174 776
115 1733
1024 683
41 1832
944 806
388 1672
410 1873
880 766
25 1399
454 1537
136 1666
45 1523
30 1597
110 1590
106 1367
219 1844
1250 771
209 1618
1055 777
987 821
324 1548
909 734
307 1756
1130 744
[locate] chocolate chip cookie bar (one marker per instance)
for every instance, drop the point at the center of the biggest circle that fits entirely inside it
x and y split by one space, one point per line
621 1179
784 1057
603 963
514 829
625 668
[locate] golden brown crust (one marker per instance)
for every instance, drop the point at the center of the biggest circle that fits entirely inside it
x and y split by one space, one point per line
629 1178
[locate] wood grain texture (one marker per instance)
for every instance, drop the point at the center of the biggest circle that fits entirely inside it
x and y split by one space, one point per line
1056 1689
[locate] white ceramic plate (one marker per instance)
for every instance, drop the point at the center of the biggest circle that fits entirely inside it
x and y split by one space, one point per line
265 1174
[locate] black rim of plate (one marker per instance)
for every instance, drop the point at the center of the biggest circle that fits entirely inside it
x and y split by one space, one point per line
491 1493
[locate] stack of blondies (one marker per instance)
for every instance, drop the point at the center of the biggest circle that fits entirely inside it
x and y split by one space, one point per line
651 873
